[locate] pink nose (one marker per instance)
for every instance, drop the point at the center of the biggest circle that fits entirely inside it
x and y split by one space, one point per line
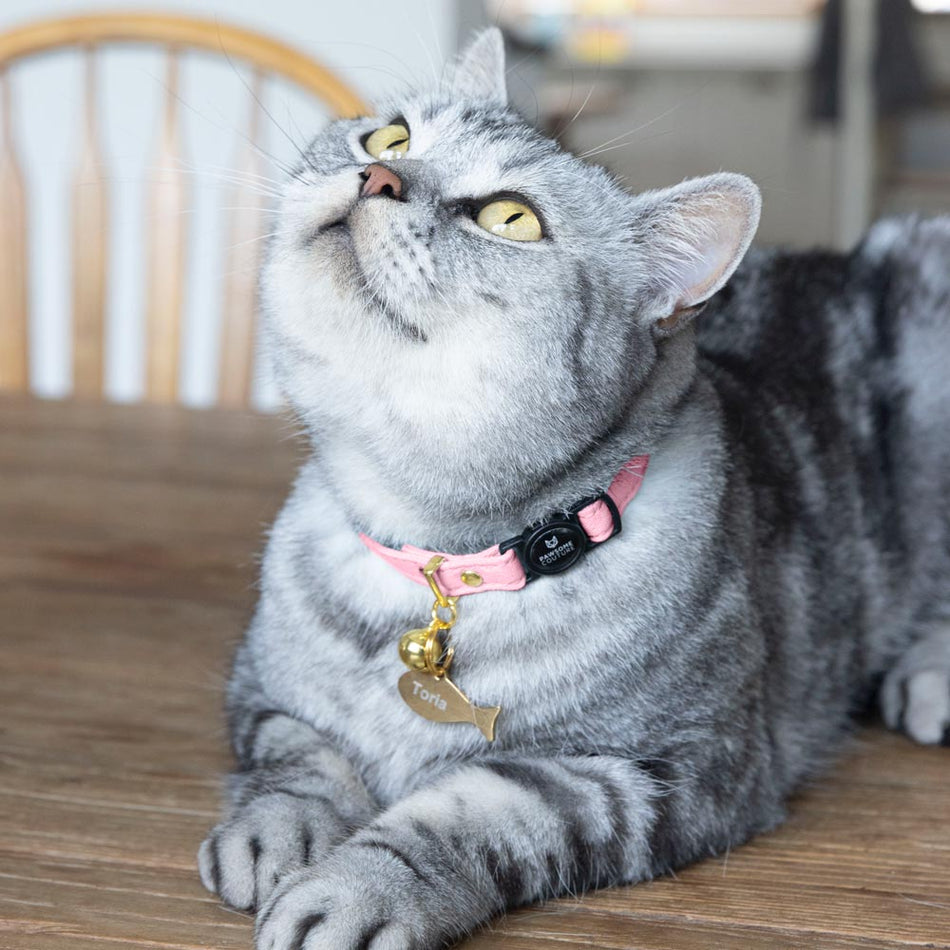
378 180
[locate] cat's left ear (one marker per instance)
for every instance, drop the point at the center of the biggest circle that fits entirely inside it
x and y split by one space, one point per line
479 72
692 237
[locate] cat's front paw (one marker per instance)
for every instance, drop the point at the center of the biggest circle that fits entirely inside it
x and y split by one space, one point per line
361 899
245 857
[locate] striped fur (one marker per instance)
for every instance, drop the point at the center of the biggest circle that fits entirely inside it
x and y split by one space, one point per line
787 556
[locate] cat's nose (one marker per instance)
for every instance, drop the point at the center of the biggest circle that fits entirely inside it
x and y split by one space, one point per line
379 180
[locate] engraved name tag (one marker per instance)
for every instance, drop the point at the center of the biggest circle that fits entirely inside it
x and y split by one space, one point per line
438 699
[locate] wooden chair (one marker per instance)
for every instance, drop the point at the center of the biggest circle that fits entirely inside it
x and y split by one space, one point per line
167 198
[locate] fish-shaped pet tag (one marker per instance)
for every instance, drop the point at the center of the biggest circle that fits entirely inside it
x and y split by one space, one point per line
438 699
426 688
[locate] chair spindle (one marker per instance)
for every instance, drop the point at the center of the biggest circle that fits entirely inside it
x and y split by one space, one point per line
90 240
14 308
240 293
166 246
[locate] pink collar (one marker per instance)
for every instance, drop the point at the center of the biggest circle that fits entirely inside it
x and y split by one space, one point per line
547 548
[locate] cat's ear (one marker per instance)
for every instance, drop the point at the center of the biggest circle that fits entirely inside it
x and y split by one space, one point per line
692 237
479 72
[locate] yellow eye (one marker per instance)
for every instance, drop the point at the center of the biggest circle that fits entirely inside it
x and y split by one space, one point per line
510 219
387 143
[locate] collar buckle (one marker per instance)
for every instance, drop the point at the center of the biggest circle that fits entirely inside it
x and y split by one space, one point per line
555 545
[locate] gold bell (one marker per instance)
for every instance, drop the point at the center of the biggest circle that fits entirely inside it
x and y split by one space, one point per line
412 649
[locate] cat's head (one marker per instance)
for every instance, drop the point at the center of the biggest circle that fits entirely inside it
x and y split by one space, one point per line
461 305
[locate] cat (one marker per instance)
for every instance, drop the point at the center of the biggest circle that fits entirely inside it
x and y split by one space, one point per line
482 334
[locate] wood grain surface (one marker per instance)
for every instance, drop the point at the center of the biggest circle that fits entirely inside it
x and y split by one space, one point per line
129 539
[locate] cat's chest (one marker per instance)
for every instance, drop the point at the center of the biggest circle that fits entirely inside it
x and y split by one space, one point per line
533 653
560 656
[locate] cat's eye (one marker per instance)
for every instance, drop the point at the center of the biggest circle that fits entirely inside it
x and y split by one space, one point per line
510 219
387 143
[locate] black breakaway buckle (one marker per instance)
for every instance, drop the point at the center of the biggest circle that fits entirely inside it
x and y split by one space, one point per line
551 547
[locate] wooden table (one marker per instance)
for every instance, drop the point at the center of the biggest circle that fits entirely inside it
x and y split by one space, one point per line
128 546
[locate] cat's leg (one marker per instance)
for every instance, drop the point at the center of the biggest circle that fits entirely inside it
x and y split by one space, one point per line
293 797
915 694
499 834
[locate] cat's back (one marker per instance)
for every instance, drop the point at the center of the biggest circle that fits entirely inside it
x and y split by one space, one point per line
808 317
832 372
838 337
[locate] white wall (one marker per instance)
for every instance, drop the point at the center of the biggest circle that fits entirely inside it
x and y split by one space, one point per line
372 44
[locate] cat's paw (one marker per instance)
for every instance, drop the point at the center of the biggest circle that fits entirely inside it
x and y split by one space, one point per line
915 694
361 899
918 704
245 857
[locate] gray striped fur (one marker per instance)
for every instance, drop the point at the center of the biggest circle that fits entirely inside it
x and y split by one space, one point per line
788 554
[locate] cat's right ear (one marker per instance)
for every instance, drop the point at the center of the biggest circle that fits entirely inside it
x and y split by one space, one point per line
691 238
479 71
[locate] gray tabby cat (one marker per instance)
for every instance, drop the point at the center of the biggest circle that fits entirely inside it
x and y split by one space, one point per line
786 561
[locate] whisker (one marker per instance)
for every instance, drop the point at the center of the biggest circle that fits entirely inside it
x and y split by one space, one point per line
253 240
274 211
291 119
245 174
534 95
283 166
428 54
260 103
562 129
376 49
610 148
435 34
635 129
402 80
199 171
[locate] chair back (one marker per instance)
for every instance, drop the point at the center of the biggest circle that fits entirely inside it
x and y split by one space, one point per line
167 199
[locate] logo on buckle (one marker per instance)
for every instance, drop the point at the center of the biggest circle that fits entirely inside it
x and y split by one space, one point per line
554 546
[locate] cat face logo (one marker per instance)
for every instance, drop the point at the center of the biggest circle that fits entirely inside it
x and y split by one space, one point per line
550 548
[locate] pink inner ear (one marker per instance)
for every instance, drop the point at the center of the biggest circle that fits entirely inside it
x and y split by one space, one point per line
717 239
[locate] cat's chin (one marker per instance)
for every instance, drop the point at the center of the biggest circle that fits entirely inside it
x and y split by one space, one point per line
331 252
366 292
358 287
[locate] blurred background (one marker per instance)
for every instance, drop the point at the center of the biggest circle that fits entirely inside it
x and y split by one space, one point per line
840 110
